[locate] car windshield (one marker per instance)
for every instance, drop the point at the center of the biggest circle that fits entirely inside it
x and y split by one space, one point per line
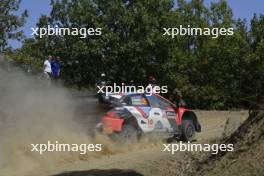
156 101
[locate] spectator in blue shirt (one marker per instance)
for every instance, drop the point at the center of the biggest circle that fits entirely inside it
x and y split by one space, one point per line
55 67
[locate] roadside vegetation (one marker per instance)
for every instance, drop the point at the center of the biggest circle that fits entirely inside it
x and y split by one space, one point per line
212 73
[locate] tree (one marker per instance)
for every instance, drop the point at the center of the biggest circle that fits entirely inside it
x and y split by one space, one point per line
9 22
216 73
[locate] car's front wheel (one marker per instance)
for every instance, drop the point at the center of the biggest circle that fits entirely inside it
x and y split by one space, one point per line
188 130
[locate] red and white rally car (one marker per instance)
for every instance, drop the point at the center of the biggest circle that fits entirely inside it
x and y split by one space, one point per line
142 113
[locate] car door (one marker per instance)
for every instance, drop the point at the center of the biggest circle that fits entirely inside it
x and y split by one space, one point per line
168 114
139 106
156 115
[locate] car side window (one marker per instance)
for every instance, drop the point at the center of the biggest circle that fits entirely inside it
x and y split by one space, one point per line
136 100
153 100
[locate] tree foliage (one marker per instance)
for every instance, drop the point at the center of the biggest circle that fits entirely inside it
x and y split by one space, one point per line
9 22
218 73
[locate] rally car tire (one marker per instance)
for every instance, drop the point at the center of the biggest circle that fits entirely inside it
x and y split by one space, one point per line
188 130
129 134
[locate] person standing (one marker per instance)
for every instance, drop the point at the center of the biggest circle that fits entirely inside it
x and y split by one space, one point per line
178 98
47 67
152 87
55 67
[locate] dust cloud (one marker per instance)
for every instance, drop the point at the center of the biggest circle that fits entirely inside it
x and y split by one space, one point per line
32 112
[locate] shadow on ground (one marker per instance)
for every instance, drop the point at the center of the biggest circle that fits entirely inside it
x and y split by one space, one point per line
97 172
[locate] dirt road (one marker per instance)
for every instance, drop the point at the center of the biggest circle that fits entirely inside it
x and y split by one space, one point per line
73 122
147 157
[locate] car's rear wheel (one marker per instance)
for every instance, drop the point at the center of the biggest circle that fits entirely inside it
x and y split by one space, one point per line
129 134
188 130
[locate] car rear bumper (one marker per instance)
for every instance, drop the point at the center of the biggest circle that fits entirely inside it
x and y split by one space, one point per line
110 125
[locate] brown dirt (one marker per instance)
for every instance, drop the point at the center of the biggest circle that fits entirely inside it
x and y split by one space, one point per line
147 157
248 157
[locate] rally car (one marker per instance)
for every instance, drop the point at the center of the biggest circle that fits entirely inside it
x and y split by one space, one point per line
141 113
